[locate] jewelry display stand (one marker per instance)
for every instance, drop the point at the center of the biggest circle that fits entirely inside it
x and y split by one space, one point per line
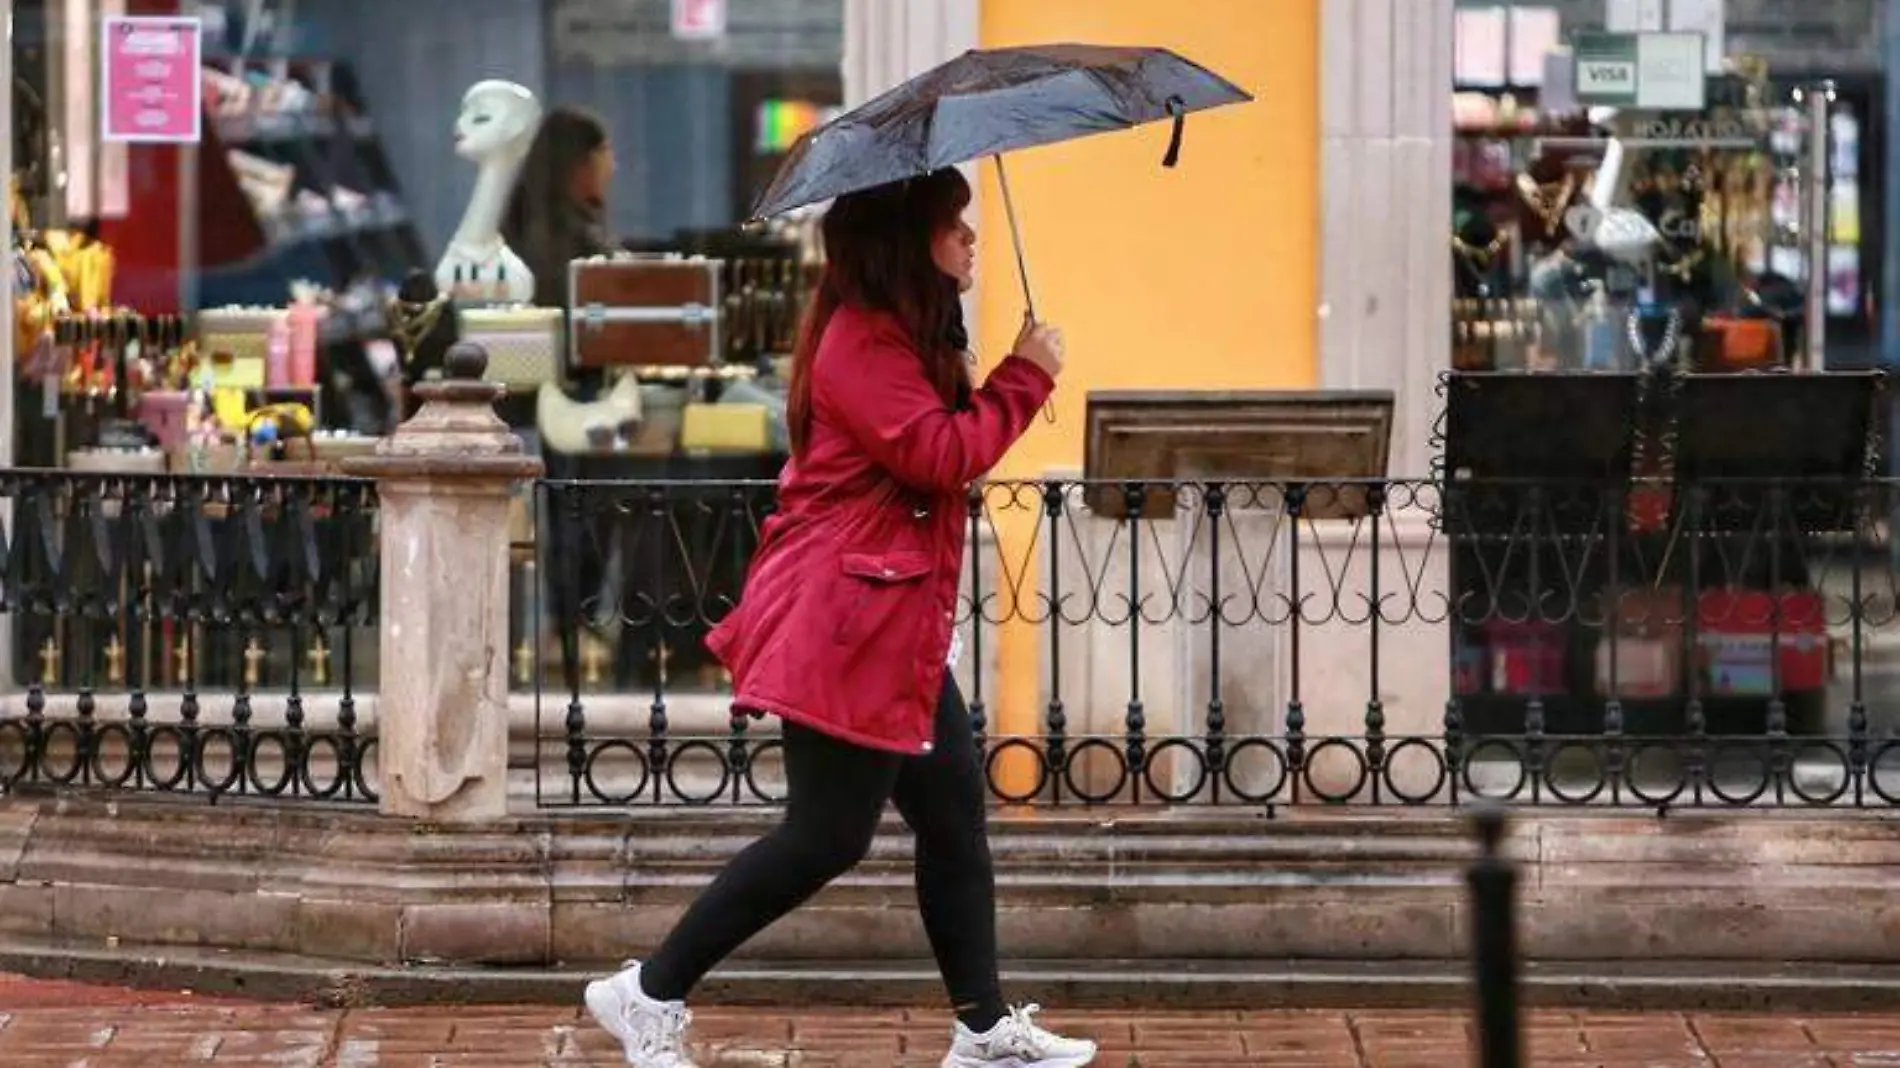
494 130
1623 241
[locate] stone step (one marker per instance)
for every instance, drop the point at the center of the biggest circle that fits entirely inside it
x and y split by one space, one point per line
1158 983
1103 886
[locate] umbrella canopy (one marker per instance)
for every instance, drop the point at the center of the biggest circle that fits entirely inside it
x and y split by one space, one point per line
985 103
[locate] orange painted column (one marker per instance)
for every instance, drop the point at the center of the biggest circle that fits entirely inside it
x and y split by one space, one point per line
1201 277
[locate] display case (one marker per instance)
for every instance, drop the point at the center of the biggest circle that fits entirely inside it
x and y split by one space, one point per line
636 310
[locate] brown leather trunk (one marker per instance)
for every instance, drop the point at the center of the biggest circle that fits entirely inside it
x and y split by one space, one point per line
644 312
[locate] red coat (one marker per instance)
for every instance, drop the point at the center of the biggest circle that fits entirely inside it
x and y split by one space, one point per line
846 616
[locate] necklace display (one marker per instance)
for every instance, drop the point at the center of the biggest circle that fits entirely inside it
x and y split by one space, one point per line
1653 448
1665 348
1547 202
1480 256
1477 260
1684 266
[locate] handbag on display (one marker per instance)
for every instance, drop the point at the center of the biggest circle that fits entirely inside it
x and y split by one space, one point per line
648 311
569 427
725 429
1527 658
523 343
1748 640
1643 633
1732 344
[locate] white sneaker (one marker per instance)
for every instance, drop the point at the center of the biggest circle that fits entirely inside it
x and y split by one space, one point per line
652 1033
1016 1042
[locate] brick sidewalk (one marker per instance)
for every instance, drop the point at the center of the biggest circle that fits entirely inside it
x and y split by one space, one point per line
53 1025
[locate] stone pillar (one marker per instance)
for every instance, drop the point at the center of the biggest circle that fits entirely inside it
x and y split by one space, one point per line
444 479
1385 190
1384 323
887 42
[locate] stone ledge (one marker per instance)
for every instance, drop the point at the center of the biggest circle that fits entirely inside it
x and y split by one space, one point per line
1233 887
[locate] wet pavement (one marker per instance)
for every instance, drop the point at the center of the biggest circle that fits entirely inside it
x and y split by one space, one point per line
58 1025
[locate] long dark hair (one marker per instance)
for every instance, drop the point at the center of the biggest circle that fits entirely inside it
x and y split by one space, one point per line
877 256
541 207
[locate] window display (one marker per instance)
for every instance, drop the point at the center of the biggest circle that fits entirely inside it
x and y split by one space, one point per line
264 290
1622 264
1740 236
1614 241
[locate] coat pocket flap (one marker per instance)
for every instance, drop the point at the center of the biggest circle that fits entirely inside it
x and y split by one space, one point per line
899 566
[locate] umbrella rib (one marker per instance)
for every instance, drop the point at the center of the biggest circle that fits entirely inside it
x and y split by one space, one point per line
928 163
1120 95
1109 91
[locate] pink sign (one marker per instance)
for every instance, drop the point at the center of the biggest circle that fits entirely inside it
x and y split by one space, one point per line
699 20
150 85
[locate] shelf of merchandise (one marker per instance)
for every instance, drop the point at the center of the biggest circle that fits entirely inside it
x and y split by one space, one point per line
342 224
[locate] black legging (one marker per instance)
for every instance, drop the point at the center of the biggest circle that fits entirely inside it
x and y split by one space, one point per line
835 796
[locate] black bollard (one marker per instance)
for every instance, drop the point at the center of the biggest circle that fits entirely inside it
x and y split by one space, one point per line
1493 882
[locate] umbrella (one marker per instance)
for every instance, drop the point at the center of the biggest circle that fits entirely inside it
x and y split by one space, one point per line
986 103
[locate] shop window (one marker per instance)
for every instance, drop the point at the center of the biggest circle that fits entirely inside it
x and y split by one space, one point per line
1620 220
256 260
1591 234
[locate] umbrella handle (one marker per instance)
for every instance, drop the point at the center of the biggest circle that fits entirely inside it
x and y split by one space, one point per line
1022 263
1016 238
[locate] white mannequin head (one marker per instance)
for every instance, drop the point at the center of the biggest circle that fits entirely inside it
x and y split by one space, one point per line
497 122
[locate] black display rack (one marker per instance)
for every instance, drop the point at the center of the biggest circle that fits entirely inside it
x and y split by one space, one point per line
348 244
1566 493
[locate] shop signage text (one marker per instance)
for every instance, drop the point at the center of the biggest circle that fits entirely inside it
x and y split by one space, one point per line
1607 77
151 90
1649 71
1692 130
699 20
1669 72
1606 69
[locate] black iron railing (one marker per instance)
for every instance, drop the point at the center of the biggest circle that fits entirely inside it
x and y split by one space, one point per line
174 633
1699 643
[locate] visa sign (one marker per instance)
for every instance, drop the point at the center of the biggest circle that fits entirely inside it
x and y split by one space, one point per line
1607 69
1607 77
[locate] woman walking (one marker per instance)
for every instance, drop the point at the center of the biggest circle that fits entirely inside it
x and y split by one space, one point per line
558 207
845 628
